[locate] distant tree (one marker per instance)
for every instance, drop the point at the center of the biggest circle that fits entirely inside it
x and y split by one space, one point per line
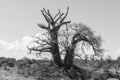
62 37
118 58
109 59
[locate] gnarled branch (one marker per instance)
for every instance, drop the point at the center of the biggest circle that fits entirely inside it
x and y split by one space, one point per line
54 22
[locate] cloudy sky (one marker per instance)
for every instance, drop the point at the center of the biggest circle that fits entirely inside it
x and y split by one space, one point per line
18 19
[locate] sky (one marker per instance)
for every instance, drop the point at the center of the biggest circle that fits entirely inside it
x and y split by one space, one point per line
19 18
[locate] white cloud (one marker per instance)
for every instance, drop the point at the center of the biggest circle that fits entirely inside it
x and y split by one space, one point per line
16 49
16 45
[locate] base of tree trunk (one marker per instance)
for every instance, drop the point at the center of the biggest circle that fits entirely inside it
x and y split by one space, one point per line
76 73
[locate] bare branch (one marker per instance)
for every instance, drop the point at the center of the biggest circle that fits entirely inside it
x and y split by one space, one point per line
60 15
62 51
57 14
40 50
78 56
45 16
42 26
58 27
43 41
65 15
48 13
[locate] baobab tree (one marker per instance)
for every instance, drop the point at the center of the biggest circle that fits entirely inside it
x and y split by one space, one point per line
62 37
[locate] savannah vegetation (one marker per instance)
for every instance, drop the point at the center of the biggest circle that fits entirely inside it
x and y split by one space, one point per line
47 69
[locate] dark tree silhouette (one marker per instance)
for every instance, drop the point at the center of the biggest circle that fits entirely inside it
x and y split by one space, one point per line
62 37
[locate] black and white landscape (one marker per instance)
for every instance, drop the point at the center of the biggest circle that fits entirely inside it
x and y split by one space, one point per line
59 40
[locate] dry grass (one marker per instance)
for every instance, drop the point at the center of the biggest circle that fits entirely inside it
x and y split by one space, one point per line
11 74
47 70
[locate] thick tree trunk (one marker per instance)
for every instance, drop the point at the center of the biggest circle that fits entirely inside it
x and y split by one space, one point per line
68 60
55 49
56 55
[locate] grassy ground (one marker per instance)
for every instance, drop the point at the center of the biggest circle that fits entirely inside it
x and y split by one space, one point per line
11 74
46 70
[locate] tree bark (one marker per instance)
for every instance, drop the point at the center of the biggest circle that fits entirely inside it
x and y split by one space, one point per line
55 49
68 60
56 55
